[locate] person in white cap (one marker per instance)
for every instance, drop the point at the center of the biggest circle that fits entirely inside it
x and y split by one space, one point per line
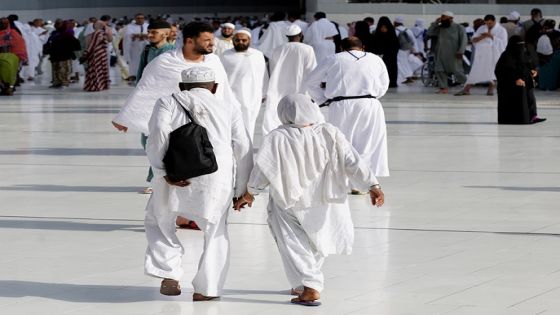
206 198
273 36
351 83
512 26
290 66
161 75
135 38
451 42
224 41
308 212
248 76
490 41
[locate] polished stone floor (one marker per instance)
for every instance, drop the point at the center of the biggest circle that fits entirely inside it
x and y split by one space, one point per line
471 224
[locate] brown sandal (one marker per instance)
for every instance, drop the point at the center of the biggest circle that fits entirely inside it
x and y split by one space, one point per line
170 287
197 297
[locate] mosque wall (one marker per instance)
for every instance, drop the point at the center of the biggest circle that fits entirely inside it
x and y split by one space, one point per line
344 12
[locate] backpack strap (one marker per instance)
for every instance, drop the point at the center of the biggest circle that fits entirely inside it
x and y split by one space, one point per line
184 108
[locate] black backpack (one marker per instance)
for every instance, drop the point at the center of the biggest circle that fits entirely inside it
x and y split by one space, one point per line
405 42
190 153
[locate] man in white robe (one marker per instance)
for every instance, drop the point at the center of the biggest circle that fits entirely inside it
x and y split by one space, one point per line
34 47
274 35
363 77
490 41
248 77
290 65
224 41
207 198
134 40
295 18
306 164
160 73
320 35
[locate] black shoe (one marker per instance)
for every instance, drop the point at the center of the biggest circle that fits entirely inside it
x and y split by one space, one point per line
537 120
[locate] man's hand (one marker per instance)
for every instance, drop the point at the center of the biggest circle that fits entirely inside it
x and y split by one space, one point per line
120 127
181 183
377 197
520 82
534 73
246 199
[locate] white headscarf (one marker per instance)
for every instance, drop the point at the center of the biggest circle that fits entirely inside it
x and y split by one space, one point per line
297 153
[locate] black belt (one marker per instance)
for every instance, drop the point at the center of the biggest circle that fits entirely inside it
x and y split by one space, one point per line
342 98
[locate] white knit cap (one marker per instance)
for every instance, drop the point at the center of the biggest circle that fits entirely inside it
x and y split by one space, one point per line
228 25
514 16
243 31
448 13
399 19
198 75
293 30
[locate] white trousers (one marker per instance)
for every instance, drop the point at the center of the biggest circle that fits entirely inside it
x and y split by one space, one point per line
302 262
165 251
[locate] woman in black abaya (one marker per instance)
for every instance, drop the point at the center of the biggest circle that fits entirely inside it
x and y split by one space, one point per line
386 45
516 98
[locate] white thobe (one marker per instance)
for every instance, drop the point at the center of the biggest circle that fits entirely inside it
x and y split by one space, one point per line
160 78
306 235
289 68
132 49
361 120
34 48
207 199
255 40
248 78
273 37
403 62
487 53
317 35
222 44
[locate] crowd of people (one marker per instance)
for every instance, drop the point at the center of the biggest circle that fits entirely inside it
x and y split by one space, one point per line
219 73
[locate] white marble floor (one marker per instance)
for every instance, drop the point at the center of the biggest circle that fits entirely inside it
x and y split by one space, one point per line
471 224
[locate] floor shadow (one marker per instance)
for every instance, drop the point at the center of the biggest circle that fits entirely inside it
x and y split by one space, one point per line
64 188
68 226
85 293
76 151
80 293
414 122
514 188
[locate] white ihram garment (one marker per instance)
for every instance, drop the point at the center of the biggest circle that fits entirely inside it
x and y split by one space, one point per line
403 57
362 121
488 51
207 199
273 37
248 78
306 169
161 78
316 36
132 49
290 65
222 44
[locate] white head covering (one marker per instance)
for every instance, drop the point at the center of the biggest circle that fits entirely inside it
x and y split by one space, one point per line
306 154
198 75
298 110
228 25
293 30
448 13
514 16
399 19
243 31
420 23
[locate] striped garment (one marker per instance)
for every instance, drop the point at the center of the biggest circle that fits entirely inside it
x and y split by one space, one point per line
97 73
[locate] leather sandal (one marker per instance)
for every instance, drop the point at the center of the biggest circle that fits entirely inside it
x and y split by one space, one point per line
197 297
170 287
